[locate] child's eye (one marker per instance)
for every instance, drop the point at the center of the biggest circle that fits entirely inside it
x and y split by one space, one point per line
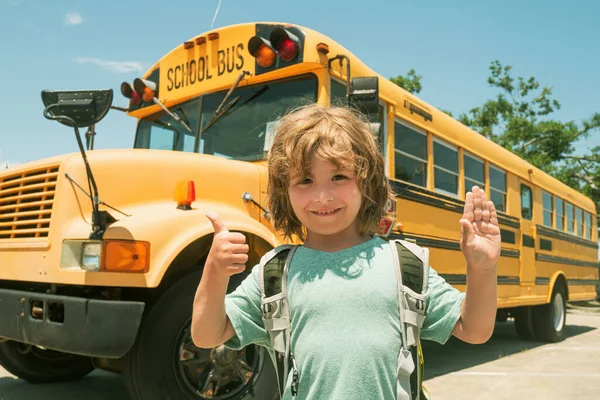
304 181
339 177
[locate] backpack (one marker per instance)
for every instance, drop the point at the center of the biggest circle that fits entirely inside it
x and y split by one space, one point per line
412 272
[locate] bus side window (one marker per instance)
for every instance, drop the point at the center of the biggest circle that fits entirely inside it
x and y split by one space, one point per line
498 187
526 202
588 225
410 150
560 213
337 93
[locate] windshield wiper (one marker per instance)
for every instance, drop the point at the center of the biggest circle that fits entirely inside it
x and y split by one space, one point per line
232 103
173 115
222 108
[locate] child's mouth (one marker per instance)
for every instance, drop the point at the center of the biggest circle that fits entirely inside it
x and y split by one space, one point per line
325 213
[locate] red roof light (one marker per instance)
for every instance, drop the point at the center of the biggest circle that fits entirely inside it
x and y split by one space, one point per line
287 49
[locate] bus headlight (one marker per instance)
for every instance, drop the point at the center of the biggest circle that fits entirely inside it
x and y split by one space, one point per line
106 255
90 256
81 254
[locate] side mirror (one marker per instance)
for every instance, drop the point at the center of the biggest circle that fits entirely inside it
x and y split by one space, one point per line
364 94
84 107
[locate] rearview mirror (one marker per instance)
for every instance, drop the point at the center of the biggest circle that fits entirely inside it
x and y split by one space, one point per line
364 94
84 107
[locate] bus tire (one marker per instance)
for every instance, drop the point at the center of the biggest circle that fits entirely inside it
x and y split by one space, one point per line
164 364
37 365
550 319
524 325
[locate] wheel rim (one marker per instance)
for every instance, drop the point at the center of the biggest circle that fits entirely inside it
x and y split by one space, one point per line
218 373
558 312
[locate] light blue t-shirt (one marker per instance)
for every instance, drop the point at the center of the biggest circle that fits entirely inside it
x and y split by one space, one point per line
345 320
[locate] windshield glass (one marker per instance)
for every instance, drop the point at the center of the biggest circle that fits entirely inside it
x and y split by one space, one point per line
242 132
161 132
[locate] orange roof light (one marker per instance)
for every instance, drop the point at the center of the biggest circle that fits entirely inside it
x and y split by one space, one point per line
146 88
185 195
262 50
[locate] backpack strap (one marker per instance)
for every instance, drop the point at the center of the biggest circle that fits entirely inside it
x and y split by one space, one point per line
411 263
273 270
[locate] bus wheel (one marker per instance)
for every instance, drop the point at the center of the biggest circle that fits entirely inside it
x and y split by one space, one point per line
550 319
524 322
164 363
38 365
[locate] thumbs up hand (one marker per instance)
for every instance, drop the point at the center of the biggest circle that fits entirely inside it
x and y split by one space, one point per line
229 252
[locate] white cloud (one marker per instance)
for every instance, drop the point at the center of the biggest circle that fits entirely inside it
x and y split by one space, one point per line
113 66
73 18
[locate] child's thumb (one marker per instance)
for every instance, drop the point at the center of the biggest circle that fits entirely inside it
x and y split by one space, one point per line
466 228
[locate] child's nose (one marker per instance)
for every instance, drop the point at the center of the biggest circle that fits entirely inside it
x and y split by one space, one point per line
324 196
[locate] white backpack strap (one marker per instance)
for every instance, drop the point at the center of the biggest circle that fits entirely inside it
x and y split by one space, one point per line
411 302
273 272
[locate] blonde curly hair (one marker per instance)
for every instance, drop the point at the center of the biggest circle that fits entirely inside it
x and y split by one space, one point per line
339 135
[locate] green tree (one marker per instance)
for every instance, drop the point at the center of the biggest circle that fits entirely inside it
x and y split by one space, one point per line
411 82
519 119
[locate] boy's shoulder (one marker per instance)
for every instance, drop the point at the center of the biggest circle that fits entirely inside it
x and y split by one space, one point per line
274 252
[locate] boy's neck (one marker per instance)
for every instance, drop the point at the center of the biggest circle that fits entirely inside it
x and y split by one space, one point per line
333 243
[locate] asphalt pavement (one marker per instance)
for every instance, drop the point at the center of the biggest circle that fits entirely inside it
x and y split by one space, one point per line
505 367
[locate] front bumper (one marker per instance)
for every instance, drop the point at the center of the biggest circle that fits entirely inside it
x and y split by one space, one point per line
95 328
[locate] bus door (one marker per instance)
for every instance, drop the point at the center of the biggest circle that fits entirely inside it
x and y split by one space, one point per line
527 271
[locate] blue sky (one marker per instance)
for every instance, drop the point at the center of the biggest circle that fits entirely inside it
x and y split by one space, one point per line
93 44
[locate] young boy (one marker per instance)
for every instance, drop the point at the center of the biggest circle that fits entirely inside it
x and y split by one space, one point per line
327 185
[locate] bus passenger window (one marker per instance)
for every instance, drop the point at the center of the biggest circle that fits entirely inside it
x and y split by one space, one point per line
560 214
548 209
526 203
579 215
474 172
588 225
445 167
498 188
410 155
570 218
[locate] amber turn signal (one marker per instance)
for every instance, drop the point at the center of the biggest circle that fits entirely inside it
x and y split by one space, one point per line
126 256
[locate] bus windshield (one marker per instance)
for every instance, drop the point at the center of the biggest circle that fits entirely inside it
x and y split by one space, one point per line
240 132
160 131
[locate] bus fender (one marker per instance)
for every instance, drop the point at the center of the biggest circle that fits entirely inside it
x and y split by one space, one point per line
553 280
170 231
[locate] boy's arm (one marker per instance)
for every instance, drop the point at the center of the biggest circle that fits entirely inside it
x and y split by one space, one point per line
480 243
210 324
478 311
228 255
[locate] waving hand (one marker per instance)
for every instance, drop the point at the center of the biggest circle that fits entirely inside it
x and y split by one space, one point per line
480 234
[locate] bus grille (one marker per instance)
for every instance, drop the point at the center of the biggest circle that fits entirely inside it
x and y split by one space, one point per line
26 200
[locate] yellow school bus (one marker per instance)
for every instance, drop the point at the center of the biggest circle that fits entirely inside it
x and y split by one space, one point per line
101 251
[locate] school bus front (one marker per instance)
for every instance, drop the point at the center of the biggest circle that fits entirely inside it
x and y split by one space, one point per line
99 262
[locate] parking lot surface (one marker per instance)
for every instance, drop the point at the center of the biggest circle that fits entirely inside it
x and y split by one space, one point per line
503 368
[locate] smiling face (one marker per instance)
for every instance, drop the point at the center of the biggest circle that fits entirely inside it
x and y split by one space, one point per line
326 201
326 175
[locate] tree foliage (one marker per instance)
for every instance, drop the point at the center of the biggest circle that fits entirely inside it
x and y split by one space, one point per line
411 82
520 119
